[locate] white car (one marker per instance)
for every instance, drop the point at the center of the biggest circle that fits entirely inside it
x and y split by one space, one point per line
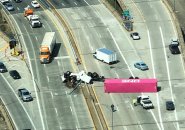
174 42
135 36
35 4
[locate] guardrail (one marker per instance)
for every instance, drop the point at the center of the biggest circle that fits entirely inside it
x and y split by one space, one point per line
68 30
88 92
6 116
15 32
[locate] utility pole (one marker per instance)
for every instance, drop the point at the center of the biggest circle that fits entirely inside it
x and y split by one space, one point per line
113 110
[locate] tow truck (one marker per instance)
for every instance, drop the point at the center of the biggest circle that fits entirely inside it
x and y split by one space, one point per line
144 101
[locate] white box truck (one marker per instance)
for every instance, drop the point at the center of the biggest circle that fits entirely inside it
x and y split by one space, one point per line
47 47
105 55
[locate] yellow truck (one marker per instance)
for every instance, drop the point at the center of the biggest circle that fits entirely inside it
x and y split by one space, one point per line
47 47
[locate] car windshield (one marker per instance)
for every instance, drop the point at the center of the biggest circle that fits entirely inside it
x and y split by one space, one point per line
135 34
147 102
9 5
25 93
143 64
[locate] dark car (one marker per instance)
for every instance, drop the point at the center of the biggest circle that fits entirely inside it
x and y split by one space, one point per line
174 49
2 68
14 74
170 105
25 95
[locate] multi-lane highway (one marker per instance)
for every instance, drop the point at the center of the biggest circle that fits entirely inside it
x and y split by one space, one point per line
94 27
53 107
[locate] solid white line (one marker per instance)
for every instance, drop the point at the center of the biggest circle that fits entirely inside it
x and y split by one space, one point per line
71 109
9 114
56 111
36 38
51 94
156 120
47 78
120 51
86 3
19 101
75 3
34 84
37 99
131 107
154 75
169 79
151 54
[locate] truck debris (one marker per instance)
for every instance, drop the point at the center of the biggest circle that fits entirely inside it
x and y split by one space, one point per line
105 55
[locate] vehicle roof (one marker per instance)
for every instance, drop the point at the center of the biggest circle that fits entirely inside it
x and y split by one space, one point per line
174 39
105 51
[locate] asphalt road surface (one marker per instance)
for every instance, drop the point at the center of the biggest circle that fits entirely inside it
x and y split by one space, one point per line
53 107
95 27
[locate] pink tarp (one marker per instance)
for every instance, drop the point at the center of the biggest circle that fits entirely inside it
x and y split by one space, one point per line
130 85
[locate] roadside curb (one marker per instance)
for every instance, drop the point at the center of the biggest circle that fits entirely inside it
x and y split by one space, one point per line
177 26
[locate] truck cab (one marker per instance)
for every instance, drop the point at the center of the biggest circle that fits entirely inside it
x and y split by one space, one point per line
28 11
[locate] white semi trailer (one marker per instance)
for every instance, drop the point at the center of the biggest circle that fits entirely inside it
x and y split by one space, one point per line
105 55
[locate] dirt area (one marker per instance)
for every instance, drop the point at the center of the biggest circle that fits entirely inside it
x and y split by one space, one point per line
5 33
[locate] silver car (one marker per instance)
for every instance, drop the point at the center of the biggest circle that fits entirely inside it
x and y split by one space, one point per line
9 7
25 95
141 65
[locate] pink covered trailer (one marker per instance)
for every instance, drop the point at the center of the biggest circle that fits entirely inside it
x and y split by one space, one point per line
130 85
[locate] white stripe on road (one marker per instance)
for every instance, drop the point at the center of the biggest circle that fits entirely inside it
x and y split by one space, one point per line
169 79
157 95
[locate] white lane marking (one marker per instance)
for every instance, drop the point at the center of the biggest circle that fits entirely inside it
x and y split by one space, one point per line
62 57
77 127
43 26
151 54
9 113
75 3
29 61
153 69
120 51
182 62
18 8
116 74
51 94
74 112
19 101
56 111
47 78
156 120
36 38
131 107
63 4
71 109
86 3
60 127
169 79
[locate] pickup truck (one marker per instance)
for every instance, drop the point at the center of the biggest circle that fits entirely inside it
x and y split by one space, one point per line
144 101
